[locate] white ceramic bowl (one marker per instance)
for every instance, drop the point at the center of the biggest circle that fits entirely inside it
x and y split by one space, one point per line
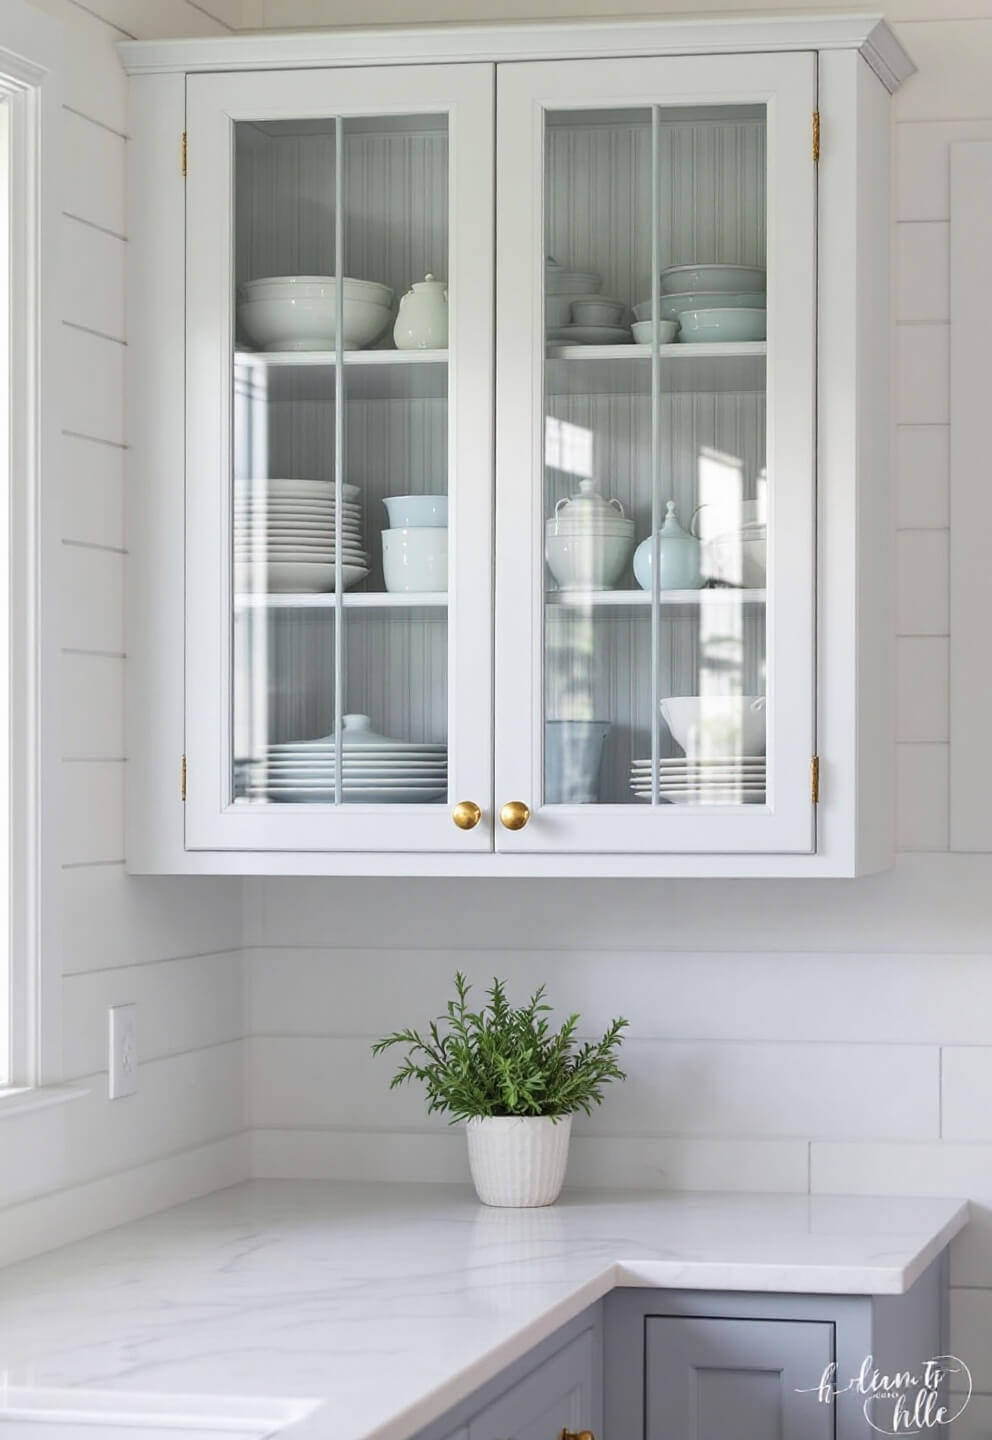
417 512
281 285
740 559
597 310
415 560
557 311
717 725
670 305
643 332
574 283
712 277
700 326
306 318
589 560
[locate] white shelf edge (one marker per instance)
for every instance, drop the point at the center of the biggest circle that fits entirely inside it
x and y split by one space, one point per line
304 358
351 600
706 350
616 599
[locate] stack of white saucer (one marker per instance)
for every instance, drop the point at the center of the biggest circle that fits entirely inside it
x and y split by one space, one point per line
682 781
284 536
374 769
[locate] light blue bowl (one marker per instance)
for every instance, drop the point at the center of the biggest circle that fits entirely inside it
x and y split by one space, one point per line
417 512
721 325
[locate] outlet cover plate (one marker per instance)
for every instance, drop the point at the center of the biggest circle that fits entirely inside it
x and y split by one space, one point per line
123 1060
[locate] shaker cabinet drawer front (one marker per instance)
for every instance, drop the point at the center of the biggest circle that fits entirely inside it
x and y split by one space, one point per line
708 1379
561 1394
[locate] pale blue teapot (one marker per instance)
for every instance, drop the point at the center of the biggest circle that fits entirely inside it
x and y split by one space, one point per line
679 556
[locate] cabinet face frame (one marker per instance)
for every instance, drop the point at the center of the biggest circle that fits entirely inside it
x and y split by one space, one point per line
215 103
786 86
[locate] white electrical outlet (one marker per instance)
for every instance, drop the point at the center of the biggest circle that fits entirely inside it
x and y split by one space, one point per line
123 1050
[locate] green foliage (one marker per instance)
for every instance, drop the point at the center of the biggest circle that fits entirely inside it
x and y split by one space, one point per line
502 1061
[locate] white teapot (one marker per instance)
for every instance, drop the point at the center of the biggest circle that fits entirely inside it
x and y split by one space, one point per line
422 322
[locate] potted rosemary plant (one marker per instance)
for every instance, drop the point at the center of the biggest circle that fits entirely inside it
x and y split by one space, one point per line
515 1080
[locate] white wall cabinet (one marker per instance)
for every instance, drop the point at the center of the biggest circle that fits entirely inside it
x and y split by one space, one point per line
529 683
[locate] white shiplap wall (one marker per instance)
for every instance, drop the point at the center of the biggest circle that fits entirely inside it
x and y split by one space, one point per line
171 946
792 1035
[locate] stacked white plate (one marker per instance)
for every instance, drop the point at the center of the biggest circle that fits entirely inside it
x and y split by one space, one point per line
736 780
284 536
374 770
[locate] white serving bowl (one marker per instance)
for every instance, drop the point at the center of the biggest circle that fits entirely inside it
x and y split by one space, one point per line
589 559
717 725
701 326
597 310
279 285
417 512
712 277
644 332
740 559
291 317
574 283
415 560
670 305
557 311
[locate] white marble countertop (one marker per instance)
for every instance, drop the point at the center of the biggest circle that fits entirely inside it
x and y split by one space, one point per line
364 1311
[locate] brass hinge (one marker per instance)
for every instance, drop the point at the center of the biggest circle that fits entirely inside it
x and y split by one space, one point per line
183 151
814 778
816 137
182 778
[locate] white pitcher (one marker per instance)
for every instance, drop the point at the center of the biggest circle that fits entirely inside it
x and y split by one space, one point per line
422 322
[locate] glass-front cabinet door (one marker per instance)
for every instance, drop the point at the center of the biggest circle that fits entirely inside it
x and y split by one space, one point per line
339 459
655 457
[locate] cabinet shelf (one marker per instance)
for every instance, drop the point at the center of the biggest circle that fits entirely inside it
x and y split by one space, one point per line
685 369
351 600
641 599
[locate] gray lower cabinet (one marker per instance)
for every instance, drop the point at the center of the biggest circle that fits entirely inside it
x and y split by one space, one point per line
707 1378
558 1386
558 1395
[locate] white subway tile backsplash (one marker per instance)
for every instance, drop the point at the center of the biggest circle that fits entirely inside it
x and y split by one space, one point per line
921 164
93 185
922 271
93 812
922 678
673 1089
922 477
922 797
93 271
91 477
93 698
923 590
668 994
922 390
183 1005
966 1092
92 599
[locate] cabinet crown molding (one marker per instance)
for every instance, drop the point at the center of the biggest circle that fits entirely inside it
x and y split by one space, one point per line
870 35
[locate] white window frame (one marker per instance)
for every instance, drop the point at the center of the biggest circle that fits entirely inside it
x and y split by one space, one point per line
30 66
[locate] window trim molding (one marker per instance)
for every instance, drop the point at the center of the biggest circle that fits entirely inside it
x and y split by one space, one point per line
31 55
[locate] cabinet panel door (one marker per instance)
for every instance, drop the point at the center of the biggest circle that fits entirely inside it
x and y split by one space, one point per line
339 692
656 484
707 1379
560 1394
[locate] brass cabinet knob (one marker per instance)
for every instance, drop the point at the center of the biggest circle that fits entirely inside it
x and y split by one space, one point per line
466 814
576 1435
514 815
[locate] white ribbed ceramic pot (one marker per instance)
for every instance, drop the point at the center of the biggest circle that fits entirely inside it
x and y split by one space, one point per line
518 1160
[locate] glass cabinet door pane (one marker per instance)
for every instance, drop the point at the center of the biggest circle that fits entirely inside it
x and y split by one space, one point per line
340 507
655 648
